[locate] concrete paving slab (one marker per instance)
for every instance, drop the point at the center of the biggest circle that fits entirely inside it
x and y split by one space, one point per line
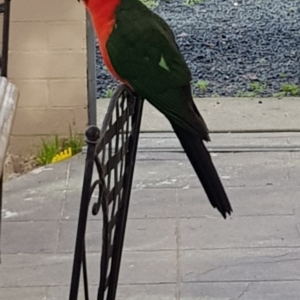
272 290
71 205
62 292
147 292
24 293
152 267
241 290
246 169
151 235
240 265
75 178
124 292
41 270
33 207
145 235
246 201
167 141
239 232
29 237
294 171
229 114
37 181
212 290
68 236
33 270
153 203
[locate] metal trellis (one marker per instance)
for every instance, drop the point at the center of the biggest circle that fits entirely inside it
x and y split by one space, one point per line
111 151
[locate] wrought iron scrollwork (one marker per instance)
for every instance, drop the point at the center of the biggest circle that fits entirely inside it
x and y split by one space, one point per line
111 151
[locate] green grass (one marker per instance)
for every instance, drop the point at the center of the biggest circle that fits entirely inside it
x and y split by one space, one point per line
262 61
192 2
257 87
215 95
278 94
202 85
48 150
282 75
150 3
254 89
246 94
290 89
108 93
73 141
55 145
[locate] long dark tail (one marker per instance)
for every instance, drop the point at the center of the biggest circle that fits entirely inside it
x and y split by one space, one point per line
203 165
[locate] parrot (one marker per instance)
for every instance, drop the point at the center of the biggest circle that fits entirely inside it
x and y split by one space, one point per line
139 49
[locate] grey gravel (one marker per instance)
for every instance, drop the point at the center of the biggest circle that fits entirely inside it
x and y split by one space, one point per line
232 43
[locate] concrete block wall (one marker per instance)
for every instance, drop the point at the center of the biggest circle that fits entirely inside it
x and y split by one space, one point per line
47 61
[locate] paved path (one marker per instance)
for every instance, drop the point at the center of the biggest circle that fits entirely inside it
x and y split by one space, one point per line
230 114
177 246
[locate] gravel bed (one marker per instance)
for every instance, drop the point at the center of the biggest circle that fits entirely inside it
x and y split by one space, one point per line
233 47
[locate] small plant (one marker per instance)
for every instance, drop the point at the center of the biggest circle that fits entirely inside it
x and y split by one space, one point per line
290 89
51 148
48 150
282 75
108 93
150 3
278 95
246 94
262 61
192 2
239 94
202 85
256 87
215 95
74 141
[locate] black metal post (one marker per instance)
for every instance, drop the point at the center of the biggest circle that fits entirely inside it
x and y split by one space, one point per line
5 38
92 136
91 72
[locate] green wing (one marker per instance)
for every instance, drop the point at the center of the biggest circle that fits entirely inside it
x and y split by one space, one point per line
143 51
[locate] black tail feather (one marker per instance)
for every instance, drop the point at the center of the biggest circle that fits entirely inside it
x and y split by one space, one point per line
203 166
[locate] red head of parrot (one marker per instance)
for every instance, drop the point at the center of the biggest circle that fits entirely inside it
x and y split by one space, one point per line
102 13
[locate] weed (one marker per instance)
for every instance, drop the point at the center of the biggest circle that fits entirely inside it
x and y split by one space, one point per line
202 85
52 147
282 75
215 95
290 89
246 94
262 61
278 95
150 3
48 150
108 93
257 87
74 141
192 2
